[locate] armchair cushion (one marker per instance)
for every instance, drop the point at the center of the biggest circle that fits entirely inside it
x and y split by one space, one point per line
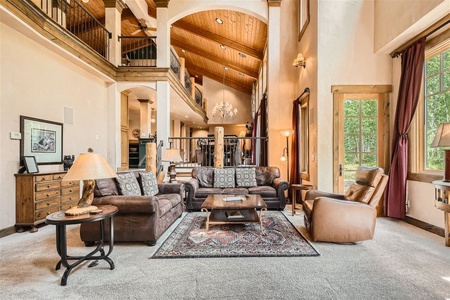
370 176
148 183
128 184
359 193
224 178
246 177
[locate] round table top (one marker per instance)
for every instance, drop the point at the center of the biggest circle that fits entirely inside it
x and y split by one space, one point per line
60 218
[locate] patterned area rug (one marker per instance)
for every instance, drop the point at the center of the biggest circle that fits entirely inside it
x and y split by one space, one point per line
237 240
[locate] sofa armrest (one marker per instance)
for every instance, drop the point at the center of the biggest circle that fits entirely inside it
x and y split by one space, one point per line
313 194
192 185
171 188
129 204
342 221
281 185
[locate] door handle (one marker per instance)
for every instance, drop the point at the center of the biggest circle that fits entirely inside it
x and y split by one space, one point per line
340 169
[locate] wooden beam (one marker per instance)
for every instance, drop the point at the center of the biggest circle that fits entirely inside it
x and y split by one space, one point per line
183 25
230 83
228 63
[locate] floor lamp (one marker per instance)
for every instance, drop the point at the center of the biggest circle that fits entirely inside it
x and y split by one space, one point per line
285 157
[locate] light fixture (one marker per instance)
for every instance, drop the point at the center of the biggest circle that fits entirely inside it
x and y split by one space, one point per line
299 61
242 55
287 133
224 111
219 21
172 156
88 167
85 1
442 139
182 50
152 118
223 46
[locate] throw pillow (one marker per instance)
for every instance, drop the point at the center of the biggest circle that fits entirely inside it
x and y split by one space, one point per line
224 178
246 177
128 184
149 184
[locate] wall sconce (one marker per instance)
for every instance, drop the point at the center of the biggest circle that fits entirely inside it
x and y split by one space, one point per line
299 61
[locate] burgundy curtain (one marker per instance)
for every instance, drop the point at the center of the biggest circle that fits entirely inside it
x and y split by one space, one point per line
408 96
263 130
294 153
254 133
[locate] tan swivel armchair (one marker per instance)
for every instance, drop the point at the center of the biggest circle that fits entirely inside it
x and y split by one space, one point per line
346 218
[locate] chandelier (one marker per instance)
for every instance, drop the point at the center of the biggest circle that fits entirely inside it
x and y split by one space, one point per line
224 111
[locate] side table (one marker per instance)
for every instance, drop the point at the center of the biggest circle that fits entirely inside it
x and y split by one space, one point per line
61 220
441 201
298 187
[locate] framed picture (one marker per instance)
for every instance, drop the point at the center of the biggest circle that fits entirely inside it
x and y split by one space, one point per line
42 139
303 19
30 164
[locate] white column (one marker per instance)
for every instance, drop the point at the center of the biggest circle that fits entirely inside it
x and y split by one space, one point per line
163 39
113 11
163 112
145 119
113 127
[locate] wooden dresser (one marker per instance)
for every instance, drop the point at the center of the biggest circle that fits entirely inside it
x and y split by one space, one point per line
40 194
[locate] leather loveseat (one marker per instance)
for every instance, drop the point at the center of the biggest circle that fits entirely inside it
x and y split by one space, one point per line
267 183
140 218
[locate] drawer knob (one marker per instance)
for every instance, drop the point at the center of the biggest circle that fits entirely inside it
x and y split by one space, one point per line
48 186
48 195
48 204
48 213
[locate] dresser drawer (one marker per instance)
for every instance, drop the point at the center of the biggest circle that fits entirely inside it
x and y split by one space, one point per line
70 183
47 203
41 178
70 198
68 205
41 214
70 190
47 185
47 194
58 176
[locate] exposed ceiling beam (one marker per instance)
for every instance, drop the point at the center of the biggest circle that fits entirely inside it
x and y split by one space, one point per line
230 83
200 52
183 25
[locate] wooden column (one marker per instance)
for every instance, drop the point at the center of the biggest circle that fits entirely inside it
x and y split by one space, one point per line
218 147
150 157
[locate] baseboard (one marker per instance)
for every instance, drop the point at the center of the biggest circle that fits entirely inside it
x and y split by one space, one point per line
7 231
425 226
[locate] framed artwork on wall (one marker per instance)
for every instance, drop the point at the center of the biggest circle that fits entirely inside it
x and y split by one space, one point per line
42 139
303 18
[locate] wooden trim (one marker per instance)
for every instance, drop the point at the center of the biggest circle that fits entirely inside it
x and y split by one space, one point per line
361 89
426 32
337 140
424 177
7 231
425 226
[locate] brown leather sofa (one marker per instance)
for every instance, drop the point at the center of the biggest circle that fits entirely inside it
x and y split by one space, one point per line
269 186
140 218
346 218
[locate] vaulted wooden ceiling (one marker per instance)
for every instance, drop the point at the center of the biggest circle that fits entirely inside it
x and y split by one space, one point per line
198 37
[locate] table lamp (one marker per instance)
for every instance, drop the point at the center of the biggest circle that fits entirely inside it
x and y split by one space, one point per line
172 156
442 139
88 167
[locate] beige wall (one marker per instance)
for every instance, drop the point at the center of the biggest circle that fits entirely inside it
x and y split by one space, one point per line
38 83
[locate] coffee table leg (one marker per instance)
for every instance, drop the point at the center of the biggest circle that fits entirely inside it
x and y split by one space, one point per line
207 220
260 221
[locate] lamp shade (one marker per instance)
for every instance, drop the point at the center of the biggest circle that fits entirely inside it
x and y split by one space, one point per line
90 166
287 132
442 138
172 155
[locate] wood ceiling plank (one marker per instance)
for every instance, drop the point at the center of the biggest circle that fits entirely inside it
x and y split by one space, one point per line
219 39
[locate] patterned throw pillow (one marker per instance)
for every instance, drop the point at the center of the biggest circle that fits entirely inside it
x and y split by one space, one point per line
128 184
149 184
224 178
246 177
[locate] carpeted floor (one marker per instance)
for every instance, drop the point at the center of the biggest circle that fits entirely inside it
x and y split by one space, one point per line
280 238
401 262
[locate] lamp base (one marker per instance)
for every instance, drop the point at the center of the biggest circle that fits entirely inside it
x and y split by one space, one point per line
76 211
172 173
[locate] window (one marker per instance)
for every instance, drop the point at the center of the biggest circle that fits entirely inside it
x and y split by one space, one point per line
433 108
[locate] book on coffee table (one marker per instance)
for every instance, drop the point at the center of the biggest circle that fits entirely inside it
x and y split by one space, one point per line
234 214
234 198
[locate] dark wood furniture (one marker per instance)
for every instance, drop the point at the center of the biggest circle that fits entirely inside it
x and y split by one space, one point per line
441 201
295 187
61 221
217 210
40 194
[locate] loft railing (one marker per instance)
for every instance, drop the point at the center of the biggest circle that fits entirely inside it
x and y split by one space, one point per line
174 64
187 81
198 97
71 15
237 150
138 51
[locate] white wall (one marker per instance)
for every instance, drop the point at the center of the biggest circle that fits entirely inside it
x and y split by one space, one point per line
38 83
345 57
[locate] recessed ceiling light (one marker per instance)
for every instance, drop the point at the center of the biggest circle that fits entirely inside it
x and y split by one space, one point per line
219 21
85 1
223 46
196 76
242 55
182 50
241 74
226 68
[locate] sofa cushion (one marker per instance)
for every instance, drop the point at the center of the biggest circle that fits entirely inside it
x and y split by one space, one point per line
204 192
128 184
359 193
166 202
246 177
148 183
224 178
263 191
204 175
106 187
235 191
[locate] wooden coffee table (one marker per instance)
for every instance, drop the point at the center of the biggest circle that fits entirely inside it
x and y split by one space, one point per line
220 211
